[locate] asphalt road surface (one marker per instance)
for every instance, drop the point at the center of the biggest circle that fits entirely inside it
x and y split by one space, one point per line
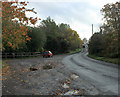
103 76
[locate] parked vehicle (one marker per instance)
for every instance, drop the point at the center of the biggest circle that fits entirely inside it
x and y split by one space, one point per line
47 54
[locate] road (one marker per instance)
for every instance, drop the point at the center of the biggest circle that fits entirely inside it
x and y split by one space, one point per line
89 76
103 76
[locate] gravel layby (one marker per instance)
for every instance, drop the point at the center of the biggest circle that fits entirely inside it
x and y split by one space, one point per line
42 76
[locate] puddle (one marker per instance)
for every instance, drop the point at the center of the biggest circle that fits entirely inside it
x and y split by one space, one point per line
72 92
65 85
33 69
74 76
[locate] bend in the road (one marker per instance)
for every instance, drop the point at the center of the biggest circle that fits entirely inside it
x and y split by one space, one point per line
103 77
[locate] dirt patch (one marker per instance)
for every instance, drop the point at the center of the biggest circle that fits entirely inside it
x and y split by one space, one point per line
40 76
35 76
47 67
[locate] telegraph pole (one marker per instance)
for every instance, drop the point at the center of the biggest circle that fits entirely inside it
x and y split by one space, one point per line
92 29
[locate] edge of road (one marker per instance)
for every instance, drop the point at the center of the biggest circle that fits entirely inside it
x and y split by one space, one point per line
98 61
84 55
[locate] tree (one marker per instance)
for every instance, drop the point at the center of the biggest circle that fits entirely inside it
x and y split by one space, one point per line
111 16
96 45
71 36
106 43
38 40
111 28
14 21
50 28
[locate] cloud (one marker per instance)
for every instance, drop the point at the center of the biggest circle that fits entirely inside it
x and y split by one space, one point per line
79 14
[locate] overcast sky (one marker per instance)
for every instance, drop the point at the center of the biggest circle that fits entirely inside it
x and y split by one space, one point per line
79 14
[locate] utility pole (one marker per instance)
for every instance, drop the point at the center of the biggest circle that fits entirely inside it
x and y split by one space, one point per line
92 29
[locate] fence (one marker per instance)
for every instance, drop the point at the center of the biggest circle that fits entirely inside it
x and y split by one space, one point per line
19 54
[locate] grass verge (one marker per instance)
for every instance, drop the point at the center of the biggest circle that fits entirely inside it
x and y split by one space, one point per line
4 65
75 51
110 60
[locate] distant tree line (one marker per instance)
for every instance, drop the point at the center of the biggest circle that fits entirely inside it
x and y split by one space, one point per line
106 42
49 36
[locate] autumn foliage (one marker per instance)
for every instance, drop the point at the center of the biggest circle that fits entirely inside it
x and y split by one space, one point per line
19 36
14 24
106 42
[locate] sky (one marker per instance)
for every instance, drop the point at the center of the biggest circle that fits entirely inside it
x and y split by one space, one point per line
79 14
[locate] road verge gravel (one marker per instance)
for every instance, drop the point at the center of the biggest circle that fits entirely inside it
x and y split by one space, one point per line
28 77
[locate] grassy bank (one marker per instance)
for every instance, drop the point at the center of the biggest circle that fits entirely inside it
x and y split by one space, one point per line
4 65
75 51
110 60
